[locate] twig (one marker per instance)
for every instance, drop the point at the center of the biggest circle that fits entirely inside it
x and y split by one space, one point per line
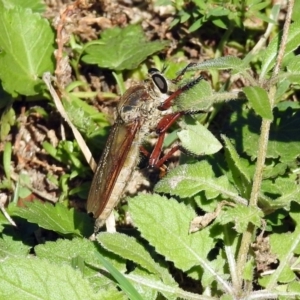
84 148
3 199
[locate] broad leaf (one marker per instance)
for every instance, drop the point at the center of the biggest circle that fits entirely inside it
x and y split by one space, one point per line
10 247
24 278
26 44
133 251
165 224
56 217
189 180
121 48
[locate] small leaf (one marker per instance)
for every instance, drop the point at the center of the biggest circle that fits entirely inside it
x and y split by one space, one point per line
8 119
259 100
241 216
221 63
198 140
26 45
189 180
122 49
32 278
57 218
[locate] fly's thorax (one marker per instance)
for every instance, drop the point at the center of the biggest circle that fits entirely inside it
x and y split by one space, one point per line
139 101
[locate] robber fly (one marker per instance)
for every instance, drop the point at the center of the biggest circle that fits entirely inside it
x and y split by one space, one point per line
138 113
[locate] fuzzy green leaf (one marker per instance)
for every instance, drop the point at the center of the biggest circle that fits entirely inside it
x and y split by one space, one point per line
259 100
241 216
26 44
198 140
57 218
121 48
24 278
221 63
189 180
165 224
197 98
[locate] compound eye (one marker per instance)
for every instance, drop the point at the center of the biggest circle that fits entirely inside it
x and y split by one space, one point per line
159 80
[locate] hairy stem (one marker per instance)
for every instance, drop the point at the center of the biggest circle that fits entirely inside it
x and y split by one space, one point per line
262 150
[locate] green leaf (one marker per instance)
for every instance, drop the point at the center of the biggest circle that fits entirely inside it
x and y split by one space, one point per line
35 5
241 164
198 140
241 216
135 252
24 278
122 49
83 117
296 11
57 218
8 119
221 63
259 100
270 54
165 224
294 64
10 247
124 284
197 98
63 251
284 245
7 159
244 131
26 45
282 190
189 180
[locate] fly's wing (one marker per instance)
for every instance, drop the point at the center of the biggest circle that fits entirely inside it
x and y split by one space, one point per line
111 162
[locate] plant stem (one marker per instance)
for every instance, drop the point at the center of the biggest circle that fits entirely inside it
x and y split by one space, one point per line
262 150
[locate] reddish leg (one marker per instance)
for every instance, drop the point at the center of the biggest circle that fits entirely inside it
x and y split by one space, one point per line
162 127
168 102
165 123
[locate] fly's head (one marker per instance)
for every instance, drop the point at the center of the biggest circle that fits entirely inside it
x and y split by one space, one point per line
142 100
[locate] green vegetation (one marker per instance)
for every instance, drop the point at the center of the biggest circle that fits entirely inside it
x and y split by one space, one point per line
223 223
